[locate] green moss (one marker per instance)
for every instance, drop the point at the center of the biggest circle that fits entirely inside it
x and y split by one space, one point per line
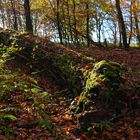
107 68
103 81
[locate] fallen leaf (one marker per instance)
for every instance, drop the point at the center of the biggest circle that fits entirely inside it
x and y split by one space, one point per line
67 117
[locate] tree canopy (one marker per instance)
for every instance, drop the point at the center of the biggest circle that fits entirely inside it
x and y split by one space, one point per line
77 21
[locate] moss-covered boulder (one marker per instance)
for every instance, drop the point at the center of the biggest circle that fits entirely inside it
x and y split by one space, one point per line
103 83
102 88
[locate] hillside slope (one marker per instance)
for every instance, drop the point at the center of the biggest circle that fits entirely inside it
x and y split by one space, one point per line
39 80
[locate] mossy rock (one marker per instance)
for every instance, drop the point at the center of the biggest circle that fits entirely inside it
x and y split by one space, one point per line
107 68
102 88
103 83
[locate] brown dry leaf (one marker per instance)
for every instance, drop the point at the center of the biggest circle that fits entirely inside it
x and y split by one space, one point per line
23 104
85 73
67 117
87 67
67 129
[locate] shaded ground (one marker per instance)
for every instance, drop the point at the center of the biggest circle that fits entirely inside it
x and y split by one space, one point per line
41 107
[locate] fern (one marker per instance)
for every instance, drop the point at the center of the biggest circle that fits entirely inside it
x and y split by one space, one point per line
8 117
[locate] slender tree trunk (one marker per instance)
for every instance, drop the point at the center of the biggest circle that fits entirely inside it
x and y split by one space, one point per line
87 24
58 21
115 35
3 18
99 31
69 21
35 22
8 14
121 24
15 15
75 23
64 30
20 22
120 43
27 13
137 27
131 24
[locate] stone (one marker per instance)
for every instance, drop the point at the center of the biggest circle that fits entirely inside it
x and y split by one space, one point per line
103 81
102 87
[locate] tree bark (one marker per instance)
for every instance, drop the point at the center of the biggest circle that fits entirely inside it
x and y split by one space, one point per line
137 28
75 23
58 21
131 24
15 15
69 22
27 13
121 24
87 24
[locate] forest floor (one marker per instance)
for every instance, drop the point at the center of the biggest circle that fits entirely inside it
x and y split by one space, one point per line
32 106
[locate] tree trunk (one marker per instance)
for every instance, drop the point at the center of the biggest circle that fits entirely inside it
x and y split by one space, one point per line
131 24
20 22
69 22
9 19
15 15
75 23
87 24
99 31
58 21
115 35
120 40
3 19
27 13
35 22
121 24
137 28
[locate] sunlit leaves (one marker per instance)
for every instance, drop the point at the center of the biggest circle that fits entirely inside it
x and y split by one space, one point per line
105 6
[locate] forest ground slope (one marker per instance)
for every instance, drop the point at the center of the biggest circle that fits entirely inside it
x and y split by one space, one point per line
39 106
